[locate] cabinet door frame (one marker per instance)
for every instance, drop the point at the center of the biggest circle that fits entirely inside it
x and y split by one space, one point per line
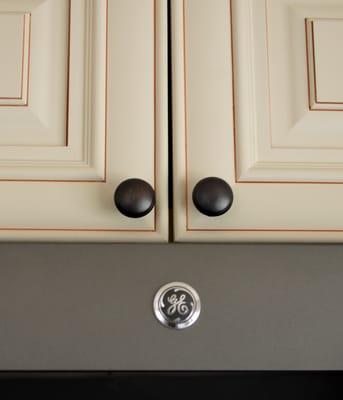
199 154
135 121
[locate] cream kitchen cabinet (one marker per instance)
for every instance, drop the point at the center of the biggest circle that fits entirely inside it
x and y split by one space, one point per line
257 120
83 107
258 101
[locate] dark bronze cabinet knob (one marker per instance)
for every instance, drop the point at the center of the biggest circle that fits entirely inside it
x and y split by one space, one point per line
134 198
212 196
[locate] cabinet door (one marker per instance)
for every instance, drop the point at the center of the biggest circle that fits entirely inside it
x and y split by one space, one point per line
83 107
258 103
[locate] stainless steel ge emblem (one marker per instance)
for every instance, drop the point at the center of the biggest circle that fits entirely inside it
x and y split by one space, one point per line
177 305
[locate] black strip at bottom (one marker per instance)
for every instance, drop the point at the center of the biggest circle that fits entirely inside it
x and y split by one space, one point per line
174 385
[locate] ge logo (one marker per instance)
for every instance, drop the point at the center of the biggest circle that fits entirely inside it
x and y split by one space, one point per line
177 305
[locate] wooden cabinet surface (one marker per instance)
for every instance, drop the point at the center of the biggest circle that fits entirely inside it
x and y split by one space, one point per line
257 101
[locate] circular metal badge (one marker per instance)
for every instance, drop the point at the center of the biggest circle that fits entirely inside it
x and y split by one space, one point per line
177 305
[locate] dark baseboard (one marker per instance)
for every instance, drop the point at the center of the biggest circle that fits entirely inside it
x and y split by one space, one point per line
173 385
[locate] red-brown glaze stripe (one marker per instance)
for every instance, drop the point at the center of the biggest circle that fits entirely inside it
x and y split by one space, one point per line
308 65
68 78
106 139
269 230
155 108
233 90
186 108
77 230
314 62
106 97
293 182
55 181
188 229
23 58
29 64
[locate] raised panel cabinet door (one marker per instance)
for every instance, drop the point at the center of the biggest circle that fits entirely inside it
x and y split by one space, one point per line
83 108
258 108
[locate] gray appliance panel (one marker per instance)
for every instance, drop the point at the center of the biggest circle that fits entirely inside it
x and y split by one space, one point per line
89 307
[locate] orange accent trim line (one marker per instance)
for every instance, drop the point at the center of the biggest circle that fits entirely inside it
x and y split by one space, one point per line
54 181
155 107
269 230
68 79
186 110
293 182
233 91
308 66
106 97
77 230
314 63
23 58
29 64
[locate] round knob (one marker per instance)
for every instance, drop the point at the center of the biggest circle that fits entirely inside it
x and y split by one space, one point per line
134 198
212 196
